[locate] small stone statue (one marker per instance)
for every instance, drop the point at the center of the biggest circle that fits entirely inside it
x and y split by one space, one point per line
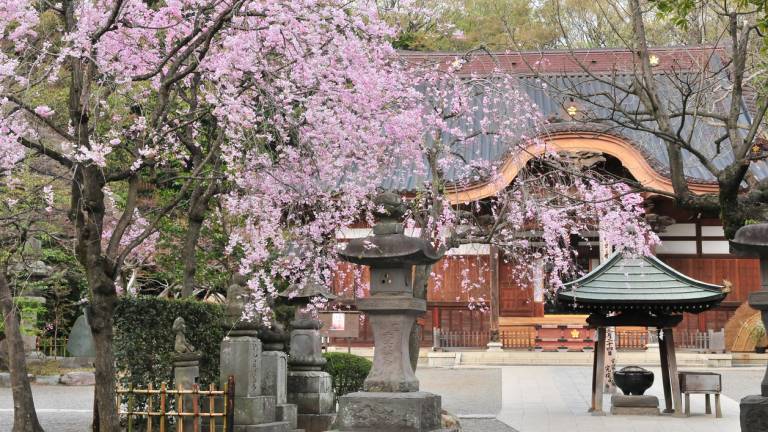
181 345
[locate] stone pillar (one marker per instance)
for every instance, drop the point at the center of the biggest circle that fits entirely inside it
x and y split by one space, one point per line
754 408
274 363
186 372
309 388
242 357
752 240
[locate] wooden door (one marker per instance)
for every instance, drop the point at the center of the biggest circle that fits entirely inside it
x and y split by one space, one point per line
515 292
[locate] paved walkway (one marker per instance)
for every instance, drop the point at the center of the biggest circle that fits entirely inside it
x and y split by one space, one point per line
490 399
555 399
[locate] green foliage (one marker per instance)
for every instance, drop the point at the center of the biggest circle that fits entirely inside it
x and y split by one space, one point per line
27 310
758 333
348 372
144 339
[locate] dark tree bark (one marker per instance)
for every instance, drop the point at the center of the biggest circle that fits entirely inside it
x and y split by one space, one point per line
198 207
420 279
24 415
189 253
89 211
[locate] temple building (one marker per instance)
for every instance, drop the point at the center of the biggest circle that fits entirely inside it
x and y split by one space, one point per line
692 243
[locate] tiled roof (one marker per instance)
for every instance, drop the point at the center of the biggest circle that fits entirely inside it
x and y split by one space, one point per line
641 283
564 69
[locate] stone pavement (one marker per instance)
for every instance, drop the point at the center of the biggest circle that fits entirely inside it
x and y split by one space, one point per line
554 399
59 408
504 399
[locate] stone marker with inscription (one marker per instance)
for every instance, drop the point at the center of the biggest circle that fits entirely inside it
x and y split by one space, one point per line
241 357
80 342
186 367
309 388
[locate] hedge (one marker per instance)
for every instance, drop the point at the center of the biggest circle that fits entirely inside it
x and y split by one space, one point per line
144 339
348 372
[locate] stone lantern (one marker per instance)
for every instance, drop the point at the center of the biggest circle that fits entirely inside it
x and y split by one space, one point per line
391 400
752 240
309 388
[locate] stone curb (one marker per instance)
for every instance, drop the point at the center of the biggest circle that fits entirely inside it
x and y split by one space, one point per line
69 379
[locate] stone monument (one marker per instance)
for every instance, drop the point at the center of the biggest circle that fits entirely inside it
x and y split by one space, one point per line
309 387
242 358
274 363
752 240
80 342
390 400
186 366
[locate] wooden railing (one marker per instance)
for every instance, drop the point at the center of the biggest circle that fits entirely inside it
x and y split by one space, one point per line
522 339
52 347
463 339
179 410
695 340
709 341
631 339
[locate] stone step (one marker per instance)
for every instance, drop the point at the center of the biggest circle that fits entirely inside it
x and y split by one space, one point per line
287 413
316 422
265 427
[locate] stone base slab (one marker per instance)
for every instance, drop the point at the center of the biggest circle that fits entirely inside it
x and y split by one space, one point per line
627 401
309 382
316 422
313 403
634 411
389 412
265 427
754 414
254 410
287 413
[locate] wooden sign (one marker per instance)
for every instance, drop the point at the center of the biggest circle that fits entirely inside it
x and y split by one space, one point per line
340 324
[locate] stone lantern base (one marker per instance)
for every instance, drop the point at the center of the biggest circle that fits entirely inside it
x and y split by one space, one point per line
389 412
754 414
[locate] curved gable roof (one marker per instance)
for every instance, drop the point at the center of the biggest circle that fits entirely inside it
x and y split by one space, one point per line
639 283
566 68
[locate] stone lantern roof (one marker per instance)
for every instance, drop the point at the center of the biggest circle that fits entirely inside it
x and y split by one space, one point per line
389 246
751 240
390 250
303 293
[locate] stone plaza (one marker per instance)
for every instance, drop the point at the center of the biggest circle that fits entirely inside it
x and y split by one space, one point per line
486 399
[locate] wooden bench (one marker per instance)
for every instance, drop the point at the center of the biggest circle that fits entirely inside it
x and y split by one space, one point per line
705 383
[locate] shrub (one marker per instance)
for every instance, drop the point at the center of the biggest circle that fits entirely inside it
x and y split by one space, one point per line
144 339
348 372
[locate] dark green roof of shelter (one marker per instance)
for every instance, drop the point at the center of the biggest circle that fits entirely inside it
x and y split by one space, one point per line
624 283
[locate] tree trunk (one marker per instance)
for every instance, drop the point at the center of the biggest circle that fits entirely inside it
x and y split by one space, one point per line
198 206
24 416
420 280
100 319
89 211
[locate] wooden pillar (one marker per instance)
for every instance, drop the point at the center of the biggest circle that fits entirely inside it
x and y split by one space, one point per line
665 373
599 375
494 264
677 397
594 378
